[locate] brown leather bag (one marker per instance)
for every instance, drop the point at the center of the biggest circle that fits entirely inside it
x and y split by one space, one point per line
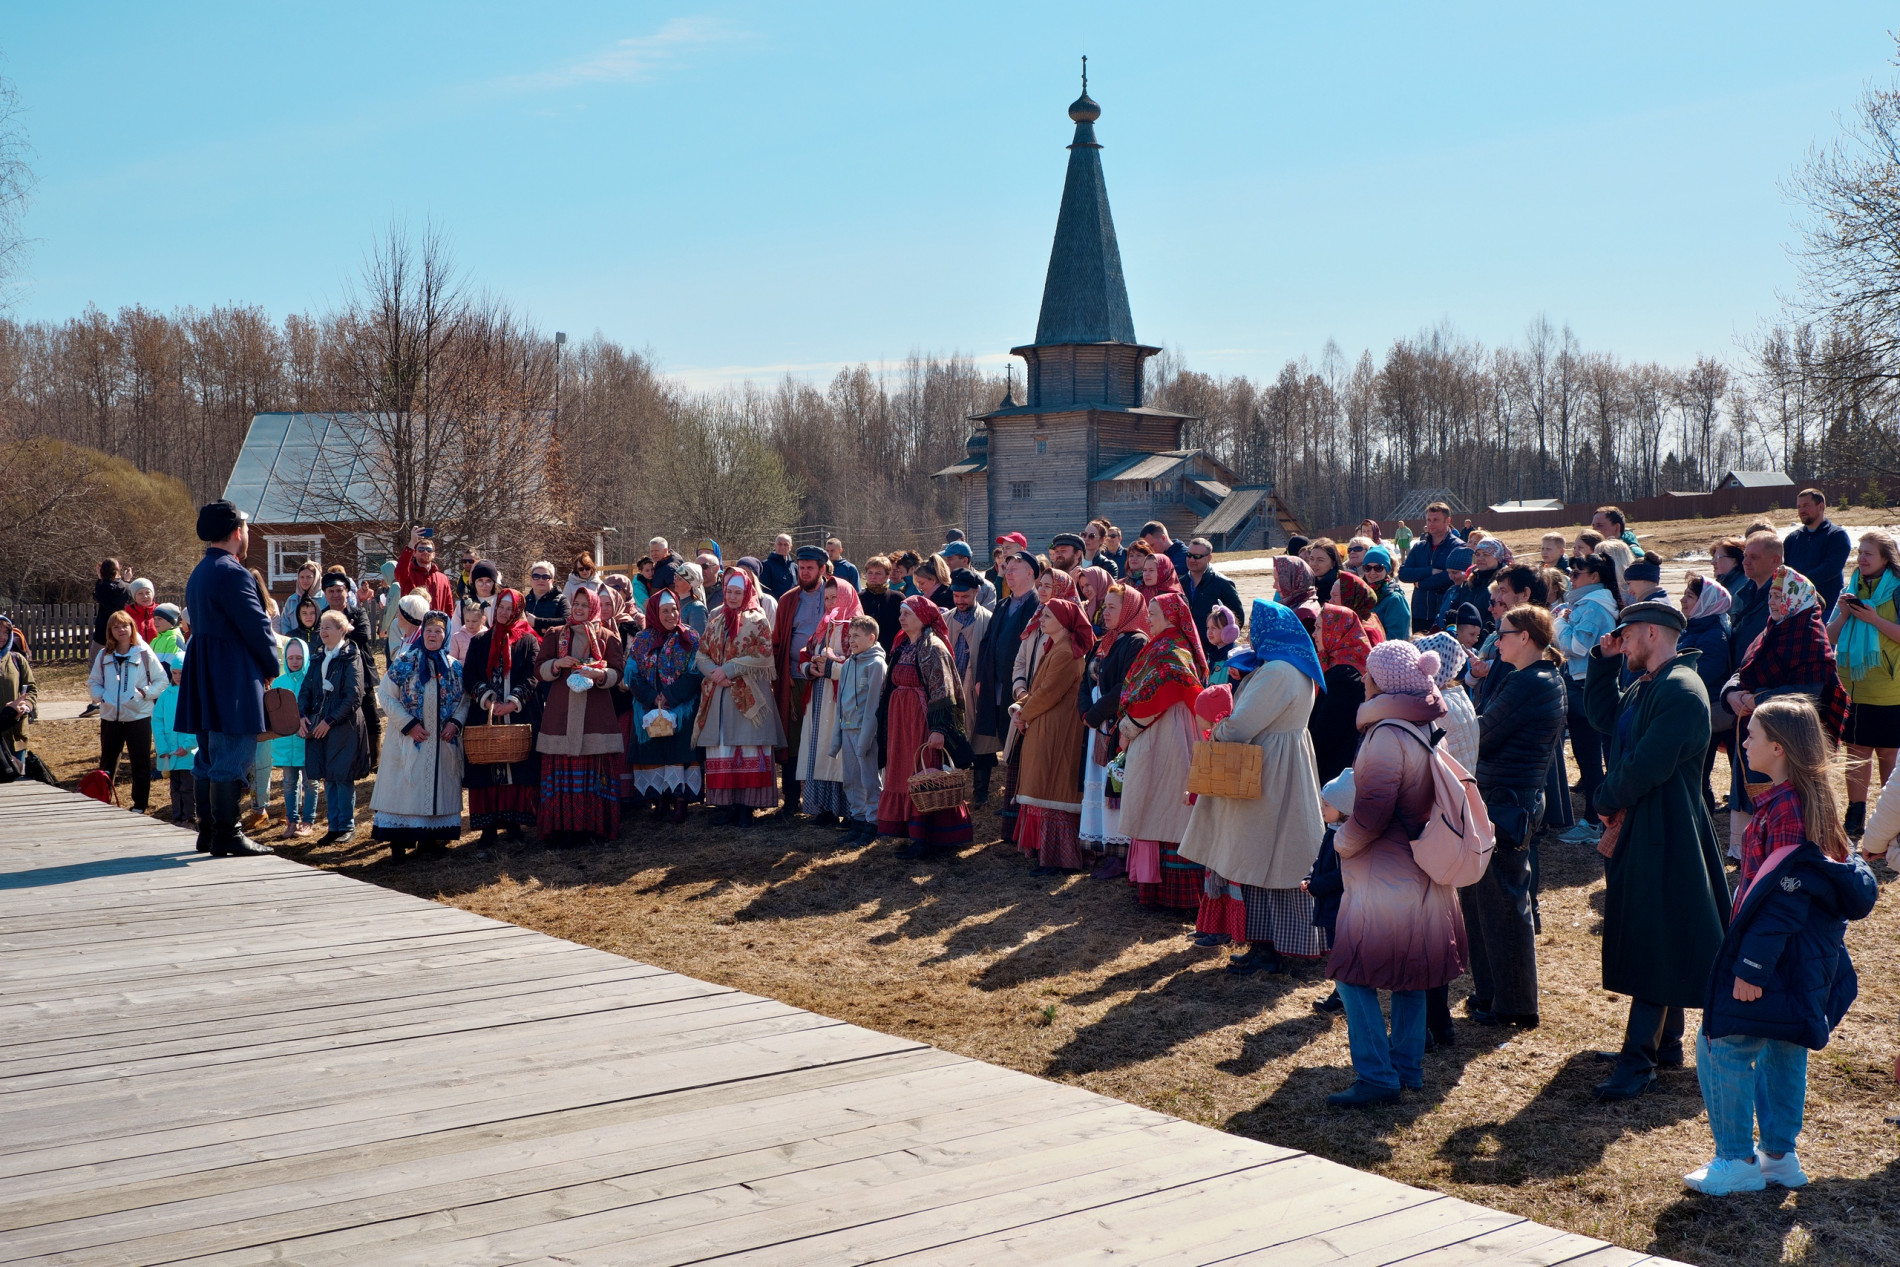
280 713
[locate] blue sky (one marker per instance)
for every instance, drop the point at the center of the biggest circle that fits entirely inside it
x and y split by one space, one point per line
744 189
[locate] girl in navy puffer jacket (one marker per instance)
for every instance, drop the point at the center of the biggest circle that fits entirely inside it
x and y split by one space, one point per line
1783 979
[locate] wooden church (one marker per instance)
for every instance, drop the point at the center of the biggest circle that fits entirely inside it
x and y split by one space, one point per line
1083 444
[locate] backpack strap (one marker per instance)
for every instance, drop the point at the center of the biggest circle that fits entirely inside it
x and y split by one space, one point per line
1408 728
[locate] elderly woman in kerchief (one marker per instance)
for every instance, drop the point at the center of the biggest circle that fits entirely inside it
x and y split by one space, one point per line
1054 740
1092 585
1158 731
1098 697
664 681
919 724
1264 846
821 660
499 679
418 793
738 724
689 587
580 744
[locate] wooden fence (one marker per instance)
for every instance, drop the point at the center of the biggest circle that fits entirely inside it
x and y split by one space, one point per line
57 632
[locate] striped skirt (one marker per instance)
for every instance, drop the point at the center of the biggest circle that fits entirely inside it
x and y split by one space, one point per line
580 794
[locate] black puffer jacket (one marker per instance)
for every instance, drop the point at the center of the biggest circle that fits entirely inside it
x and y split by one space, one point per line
1519 729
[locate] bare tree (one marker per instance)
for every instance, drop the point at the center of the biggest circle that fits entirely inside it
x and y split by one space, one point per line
16 184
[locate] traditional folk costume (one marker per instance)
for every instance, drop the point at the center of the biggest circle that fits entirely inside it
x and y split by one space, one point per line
1053 745
1098 698
500 670
1351 592
1157 707
1791 656
820 661
920 698
579 743
418 793
737 724
1258 850
801 614
1167 581
665 684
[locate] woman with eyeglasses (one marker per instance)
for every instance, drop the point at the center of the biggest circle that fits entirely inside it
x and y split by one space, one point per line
1393 611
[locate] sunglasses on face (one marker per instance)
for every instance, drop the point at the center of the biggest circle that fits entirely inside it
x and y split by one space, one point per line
1375 567
541 576
1208 555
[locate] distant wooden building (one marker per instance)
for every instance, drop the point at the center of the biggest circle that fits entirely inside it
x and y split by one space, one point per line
1084 443
1754 479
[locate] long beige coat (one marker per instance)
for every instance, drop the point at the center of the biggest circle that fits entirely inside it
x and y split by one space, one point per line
1154 784
1269 843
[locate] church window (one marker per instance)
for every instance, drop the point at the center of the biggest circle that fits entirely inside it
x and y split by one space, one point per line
1021 490
1042 444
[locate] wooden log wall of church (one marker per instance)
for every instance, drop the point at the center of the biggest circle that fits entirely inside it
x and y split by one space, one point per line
976 514
1039 476
1117 435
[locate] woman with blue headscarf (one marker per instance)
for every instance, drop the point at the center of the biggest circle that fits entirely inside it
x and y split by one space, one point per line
1266 844
418 796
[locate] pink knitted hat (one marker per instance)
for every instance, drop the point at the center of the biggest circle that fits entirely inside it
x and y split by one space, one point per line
1399 668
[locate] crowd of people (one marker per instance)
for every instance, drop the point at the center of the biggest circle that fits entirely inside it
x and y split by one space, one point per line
1074 685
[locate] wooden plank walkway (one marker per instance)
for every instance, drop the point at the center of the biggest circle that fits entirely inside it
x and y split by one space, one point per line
248 1061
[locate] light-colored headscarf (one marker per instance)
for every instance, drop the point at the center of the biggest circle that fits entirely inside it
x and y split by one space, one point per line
1713 601
1789 594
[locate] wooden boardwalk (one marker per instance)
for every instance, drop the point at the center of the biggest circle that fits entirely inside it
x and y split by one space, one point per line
248 1061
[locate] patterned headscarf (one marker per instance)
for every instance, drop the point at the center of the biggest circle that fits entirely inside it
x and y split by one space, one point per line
1061 586
414 669
748 600
1794 650
848 606
1789 594
1081 632
932 617
580 637
1451 657
660 655
504 634
1351 591
1275 632
1134 616
1293 580
1094 582
1172 667
1342 638
1166 582
1712 601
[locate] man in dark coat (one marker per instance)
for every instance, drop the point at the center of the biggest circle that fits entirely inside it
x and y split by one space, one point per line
988 713
231 660
1666 904
778 574
1204 588
1818 549
1427 568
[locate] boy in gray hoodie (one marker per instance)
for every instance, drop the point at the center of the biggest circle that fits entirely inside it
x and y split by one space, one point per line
860 690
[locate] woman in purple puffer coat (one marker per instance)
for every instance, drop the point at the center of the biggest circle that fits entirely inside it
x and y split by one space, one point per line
1397 930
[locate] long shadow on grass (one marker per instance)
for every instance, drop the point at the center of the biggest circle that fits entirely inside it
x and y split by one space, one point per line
1845 1221
1563 1131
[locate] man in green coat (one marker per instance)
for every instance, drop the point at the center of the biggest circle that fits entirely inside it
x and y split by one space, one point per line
1666 904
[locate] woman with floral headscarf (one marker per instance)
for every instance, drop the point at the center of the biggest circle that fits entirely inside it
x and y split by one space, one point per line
738 723
418 793
503 691
1792 656
822 658
580 744
918 725
1158 731
1264 846
1049 786
664 683
1293 587
1098 698
1351 592
1343 647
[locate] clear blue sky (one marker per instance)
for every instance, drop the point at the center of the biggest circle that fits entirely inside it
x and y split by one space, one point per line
743 188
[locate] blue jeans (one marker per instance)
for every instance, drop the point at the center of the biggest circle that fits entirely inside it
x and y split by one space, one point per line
224 758
340 800
293 776
1744 1079
1587 744
1386 1062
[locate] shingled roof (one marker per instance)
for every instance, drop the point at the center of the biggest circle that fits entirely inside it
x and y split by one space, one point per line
1084 299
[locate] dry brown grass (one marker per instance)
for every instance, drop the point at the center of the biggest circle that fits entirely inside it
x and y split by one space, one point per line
1067 979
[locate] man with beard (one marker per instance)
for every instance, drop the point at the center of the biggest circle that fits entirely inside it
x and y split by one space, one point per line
1065 552
801 609
1666 901
968 621
995 664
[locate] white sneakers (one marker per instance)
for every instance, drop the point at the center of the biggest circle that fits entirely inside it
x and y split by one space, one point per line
1787 1172
1721 1177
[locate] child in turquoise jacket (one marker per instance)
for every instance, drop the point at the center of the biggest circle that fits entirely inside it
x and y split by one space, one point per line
287 753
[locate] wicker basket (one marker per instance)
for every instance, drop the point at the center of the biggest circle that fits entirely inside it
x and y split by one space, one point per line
497 745
1225 769
933 790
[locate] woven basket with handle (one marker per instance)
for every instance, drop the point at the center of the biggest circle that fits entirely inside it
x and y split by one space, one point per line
497 745
932 790
1225 769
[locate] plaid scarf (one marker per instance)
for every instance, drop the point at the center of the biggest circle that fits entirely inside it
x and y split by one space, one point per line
1795 652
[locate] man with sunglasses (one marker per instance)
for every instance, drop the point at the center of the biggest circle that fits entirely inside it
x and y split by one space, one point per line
416 570
545 605
1206 587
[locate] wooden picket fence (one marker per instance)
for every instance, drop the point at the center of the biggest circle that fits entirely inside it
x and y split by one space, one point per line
57 632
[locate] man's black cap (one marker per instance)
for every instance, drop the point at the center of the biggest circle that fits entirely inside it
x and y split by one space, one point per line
1071 539
1651 612
219 520
812 554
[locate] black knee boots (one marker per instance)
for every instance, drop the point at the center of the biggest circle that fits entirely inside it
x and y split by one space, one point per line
227 837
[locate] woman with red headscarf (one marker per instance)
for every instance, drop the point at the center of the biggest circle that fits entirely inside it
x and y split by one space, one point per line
738 723
917 721
664 683
1352 593
580 744
1049 786
1054 583
1099 699
1158 577
1158 728
820 774
498 676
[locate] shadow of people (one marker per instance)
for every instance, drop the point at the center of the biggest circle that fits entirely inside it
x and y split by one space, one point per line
1830 1220
1153 1022
72 872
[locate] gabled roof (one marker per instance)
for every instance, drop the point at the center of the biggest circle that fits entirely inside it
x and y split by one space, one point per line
969 466
1146 466
270 481
1534 503
1757 479
1084 297
1235 509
